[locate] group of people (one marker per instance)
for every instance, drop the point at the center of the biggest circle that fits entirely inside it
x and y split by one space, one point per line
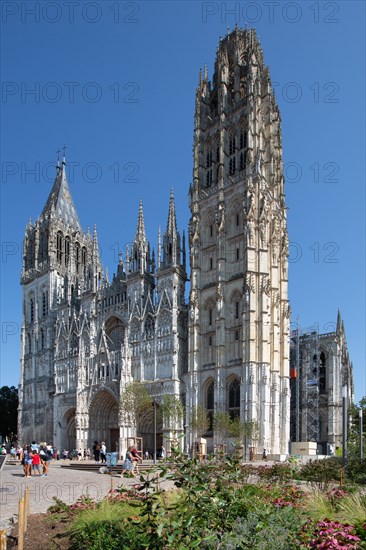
100 452
35 459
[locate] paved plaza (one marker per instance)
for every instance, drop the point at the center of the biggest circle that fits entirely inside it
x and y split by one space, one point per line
64 483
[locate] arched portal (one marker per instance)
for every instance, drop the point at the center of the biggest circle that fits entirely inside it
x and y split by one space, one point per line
67 430
103 420
145 429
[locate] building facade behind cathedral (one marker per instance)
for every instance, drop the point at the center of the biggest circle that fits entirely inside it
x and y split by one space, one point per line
84 338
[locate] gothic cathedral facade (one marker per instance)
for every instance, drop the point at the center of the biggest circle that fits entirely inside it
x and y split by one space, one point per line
84 338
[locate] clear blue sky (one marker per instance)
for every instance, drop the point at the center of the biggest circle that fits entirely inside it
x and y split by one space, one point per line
115 82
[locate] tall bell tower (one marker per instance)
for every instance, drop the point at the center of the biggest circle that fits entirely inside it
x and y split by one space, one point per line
239 310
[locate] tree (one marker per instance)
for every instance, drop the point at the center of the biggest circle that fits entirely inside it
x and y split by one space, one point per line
171 409
8 411
135 402
199 420
223 425
353 436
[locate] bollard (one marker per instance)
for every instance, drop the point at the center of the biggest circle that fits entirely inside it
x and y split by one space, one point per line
2 539
26 508
21 524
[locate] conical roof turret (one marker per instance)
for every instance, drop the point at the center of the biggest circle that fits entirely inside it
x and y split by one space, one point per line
59 202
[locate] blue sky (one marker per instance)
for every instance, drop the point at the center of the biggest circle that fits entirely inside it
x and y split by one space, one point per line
115 82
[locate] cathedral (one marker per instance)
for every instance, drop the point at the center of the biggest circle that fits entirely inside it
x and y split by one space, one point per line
85 337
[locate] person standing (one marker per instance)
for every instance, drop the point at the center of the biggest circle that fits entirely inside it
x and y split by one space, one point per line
103 451
96 451
135 458
36 461
128 463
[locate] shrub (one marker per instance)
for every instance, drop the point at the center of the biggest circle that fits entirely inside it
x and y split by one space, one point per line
321 473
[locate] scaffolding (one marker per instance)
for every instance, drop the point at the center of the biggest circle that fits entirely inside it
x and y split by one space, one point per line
310 387
295 382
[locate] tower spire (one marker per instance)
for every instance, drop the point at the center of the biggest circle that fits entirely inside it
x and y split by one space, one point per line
140 252
59 201
171 239
140 231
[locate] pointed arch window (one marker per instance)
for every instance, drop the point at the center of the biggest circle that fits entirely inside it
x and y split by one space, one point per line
234 399
31 308
77 257
231 144
243 138
59 246
29 342
210 405
232 166
208 165
232 160
67 250
83 260
243 146
45 303
149 327
236 310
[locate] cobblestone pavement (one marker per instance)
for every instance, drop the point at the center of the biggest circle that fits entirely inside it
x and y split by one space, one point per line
64 483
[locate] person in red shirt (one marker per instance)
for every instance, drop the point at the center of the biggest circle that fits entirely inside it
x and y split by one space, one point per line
36 461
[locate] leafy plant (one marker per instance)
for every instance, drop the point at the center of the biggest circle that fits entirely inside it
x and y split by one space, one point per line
135 401
321 473
199 420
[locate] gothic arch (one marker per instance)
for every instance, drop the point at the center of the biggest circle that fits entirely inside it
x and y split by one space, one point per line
149 327
68 430
209 227
114 329
209 401
103 419
235 216
233 396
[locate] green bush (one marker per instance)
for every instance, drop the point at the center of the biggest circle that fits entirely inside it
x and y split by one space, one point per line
320 473
356 470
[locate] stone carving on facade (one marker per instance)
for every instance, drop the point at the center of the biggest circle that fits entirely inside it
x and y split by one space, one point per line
251 376
266 284
248 204
220 217
249 228
220 297
263 232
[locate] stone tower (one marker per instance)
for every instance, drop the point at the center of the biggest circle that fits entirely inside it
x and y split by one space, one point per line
239 310
60 264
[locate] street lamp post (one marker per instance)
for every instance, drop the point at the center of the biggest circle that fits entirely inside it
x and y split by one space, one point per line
344 425
154 431
361 430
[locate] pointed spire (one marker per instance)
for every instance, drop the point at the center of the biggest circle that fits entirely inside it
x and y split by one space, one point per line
159 246
153 261
171 239
172 219
60 201
58 168
140 252
205 73
184 250
140 231
339 321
